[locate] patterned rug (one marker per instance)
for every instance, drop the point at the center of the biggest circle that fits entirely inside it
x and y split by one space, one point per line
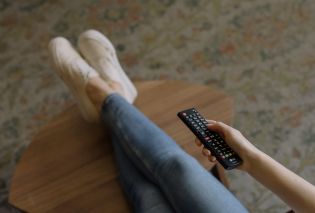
259 52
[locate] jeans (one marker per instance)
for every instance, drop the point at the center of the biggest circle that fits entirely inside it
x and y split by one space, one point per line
155 173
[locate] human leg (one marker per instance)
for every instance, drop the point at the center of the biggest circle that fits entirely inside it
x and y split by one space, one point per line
187 186
144 195
76 73
185 183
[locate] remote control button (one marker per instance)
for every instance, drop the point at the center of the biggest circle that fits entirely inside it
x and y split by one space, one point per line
232 159
207 145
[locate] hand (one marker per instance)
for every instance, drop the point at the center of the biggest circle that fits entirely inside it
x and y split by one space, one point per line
235 140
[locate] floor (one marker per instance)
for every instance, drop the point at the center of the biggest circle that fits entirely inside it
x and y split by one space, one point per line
259 52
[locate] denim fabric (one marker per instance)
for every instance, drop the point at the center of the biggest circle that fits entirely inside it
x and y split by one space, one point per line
156 171
142 193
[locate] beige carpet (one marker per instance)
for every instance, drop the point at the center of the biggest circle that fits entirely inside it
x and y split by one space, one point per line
260 52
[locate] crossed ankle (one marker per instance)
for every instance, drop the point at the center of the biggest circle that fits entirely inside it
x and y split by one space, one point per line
97 90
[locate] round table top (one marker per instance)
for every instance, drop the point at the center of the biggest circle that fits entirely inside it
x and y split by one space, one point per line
69 166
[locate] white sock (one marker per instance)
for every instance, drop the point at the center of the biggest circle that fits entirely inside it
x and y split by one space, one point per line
101 54
75 72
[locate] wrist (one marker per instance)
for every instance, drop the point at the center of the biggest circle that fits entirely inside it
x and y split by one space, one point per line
250 158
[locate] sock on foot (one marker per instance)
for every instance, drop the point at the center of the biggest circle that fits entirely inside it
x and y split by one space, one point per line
75 73
101 54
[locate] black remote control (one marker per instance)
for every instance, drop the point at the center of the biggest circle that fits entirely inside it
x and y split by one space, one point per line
210 139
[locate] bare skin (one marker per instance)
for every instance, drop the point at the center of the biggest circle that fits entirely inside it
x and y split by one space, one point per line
235 139
97 90
292 189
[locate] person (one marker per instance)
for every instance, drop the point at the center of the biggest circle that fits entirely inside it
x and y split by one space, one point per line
155 173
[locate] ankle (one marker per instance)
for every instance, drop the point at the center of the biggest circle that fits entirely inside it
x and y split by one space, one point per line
97 91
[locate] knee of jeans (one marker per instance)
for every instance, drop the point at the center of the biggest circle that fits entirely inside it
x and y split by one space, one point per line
178 164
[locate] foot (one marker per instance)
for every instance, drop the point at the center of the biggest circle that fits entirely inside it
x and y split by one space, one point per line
97 90
75 73
101 54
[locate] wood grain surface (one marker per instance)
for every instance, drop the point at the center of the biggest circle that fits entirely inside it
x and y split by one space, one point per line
69 166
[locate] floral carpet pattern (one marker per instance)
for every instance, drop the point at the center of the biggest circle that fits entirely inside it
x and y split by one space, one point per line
259 52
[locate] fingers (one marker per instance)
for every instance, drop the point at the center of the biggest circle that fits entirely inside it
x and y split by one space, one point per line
197 141
211 121
218 123
218 127
207 153
212 158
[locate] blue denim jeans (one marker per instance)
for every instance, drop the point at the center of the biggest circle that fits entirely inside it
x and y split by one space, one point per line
156 174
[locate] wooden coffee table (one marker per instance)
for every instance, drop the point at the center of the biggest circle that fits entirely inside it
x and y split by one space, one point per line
69 166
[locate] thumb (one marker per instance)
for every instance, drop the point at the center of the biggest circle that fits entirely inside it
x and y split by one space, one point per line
218 127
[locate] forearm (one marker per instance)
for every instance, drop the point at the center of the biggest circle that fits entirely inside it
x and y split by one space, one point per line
292 189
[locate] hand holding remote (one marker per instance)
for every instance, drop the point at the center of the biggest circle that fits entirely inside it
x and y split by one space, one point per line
235 140
292 189
211 140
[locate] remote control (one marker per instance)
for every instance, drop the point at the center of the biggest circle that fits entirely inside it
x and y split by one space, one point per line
210 139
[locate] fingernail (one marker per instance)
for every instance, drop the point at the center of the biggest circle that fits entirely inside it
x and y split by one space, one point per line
211 121
206 152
